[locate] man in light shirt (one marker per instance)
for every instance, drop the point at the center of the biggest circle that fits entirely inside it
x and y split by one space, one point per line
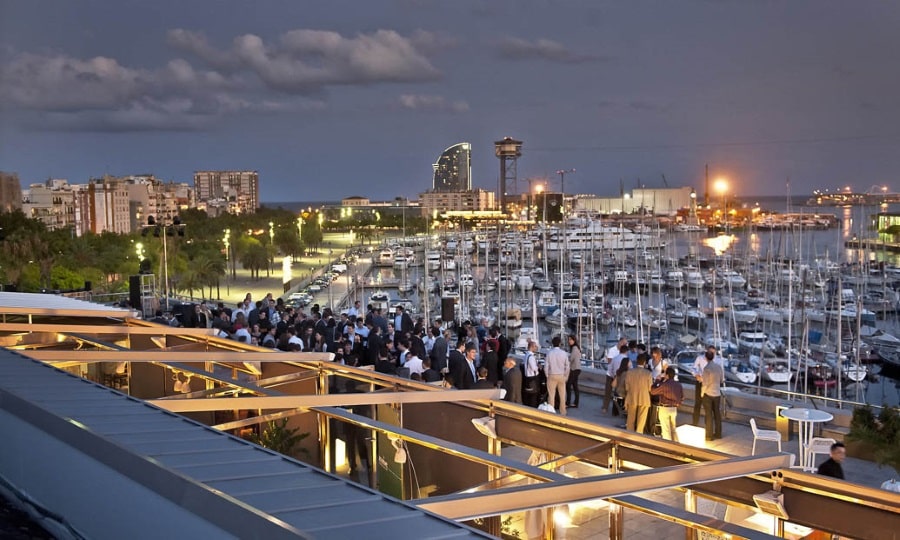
557 368
699 365
613 362
711 380
413 363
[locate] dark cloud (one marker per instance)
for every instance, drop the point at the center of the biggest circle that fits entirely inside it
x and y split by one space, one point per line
432 103
307 61
300 65
513 48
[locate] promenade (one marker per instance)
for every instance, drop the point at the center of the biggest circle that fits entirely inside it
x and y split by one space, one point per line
303 270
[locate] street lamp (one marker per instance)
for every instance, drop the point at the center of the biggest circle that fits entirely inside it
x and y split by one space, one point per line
562 186
272 243
721 187
227 241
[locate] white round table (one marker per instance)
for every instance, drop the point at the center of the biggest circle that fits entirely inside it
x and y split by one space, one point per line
806 420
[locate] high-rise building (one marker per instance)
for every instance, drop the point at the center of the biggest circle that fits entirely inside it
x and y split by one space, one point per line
238 187
103 206
453 170
10 192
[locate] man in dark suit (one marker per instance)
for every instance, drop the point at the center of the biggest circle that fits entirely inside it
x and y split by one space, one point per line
467 377
512 380
483 383
373 346
416 344
430 375
456 363
403 323
380 321
832 466
438 350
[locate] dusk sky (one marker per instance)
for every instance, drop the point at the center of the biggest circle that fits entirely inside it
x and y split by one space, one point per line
339 98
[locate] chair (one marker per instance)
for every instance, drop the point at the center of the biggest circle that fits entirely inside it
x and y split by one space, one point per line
764 435
818 445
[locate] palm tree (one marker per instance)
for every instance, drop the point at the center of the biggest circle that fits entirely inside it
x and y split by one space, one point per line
190 279
210 266
254 258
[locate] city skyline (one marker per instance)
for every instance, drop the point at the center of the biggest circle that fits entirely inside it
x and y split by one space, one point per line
328 102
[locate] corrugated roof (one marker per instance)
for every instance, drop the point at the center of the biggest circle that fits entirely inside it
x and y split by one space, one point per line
312 501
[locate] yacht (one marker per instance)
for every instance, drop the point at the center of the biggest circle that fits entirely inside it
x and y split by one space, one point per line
675 279
582 235
739 370
773 370
752 341
523 280
733 279
694 279
385 257
380 300
687 227
741 312
547 303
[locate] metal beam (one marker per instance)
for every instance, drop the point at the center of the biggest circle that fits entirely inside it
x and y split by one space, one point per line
463 506
689 519
159 355
441 445
326 400
155 330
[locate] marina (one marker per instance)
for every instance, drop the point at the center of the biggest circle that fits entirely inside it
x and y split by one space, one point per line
774 300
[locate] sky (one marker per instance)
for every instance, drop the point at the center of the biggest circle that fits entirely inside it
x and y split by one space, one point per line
340 98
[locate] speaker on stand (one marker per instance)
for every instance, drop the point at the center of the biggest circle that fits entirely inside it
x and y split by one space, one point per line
448 309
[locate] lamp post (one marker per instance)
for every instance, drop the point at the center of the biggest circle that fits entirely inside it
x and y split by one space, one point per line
165 233
227 241
272 244
562 186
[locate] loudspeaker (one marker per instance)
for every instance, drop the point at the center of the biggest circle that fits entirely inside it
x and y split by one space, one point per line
448 313
185 314
134 292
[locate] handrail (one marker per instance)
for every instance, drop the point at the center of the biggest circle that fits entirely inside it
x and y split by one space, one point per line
799 396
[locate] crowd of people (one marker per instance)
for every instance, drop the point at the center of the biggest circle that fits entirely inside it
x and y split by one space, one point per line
639 382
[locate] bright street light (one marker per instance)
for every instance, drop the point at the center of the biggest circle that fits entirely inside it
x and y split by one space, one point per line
721 186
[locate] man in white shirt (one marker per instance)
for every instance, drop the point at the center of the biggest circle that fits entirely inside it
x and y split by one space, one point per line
294 340
699 365
413 363
557 368
613 362
613 351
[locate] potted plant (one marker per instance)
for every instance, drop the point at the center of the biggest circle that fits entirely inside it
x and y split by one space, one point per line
280 438
875 437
